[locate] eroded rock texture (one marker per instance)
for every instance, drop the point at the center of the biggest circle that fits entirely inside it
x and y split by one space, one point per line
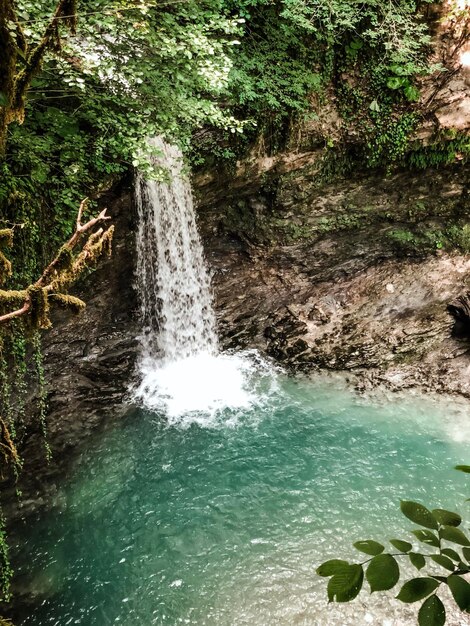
355 285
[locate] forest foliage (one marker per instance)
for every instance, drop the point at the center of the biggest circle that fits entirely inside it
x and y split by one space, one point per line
132 69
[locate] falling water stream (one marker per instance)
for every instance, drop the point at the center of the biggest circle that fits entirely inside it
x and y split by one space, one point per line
212 504
178 339
176 304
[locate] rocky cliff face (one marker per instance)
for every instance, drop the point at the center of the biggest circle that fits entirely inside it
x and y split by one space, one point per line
350 275
321 264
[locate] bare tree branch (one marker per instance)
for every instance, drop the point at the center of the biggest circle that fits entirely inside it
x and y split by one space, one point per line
18 313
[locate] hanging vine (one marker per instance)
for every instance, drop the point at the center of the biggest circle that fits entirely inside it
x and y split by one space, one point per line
42 391
5 566
18 352
27 311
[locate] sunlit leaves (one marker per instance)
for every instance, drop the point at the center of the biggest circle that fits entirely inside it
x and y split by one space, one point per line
395 82
151 69
412 93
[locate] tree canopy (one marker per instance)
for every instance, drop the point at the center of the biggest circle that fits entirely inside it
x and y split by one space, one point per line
84 83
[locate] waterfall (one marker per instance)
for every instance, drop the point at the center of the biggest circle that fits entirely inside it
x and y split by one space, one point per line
181 371
176 305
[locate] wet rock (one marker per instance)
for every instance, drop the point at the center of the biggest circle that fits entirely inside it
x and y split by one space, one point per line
460 311
345 296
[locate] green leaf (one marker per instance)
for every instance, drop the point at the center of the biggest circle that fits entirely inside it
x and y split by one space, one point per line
449 533
418 514
412 93
426 536
356 44
460 589
417 589
3 99
395 82
399 70
403 546
443 561
463 468
466 553
452 554
346 584
447 518
374 106
432 612
329 568
383 573
417 560
369 547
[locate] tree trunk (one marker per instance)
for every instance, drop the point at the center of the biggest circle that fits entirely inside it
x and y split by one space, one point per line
8 57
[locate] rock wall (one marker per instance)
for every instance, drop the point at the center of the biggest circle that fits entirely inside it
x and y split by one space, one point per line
337 280
352 271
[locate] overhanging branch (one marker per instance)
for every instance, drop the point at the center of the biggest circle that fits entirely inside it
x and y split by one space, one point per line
66 267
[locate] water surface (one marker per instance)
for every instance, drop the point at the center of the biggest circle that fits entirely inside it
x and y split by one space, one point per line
222 521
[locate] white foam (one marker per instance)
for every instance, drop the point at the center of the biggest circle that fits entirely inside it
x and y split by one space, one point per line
181 370
204 388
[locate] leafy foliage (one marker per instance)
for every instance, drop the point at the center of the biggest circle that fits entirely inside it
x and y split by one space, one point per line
246 67
130 72
439 528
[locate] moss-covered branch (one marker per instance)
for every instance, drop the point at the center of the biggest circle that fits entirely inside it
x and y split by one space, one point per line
81 251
